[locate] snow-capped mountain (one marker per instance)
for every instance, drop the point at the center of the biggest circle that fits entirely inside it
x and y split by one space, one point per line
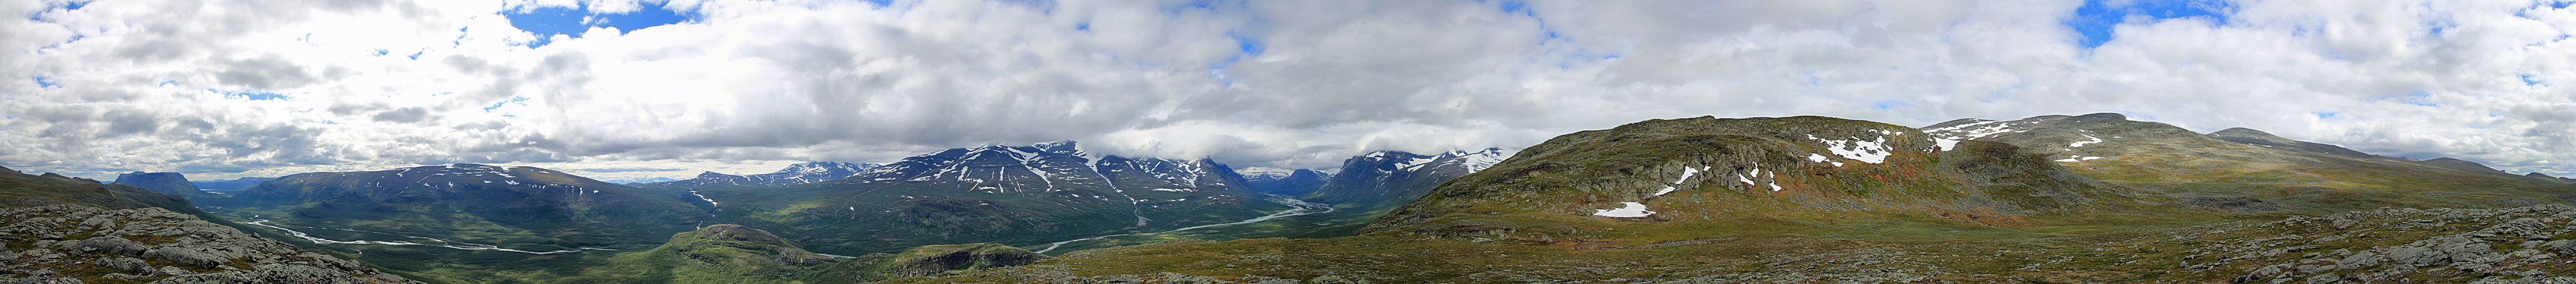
1048 167
1031 194
1299 182
800 173
1390 178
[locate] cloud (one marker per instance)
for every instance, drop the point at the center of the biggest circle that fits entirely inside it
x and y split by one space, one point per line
746 86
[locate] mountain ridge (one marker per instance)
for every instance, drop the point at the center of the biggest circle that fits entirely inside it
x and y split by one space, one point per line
799 173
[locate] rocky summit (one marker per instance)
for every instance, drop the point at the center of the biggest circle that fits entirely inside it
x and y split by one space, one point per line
81 244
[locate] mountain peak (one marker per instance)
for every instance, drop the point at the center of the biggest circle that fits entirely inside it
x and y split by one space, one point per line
171 183
2105 117
2241 131
2463 165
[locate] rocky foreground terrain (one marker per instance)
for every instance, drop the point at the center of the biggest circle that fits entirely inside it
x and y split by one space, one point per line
77 244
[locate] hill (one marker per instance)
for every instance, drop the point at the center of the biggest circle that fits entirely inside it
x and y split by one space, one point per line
1704 177
2240 163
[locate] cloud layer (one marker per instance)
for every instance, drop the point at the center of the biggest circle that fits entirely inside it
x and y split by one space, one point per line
227 88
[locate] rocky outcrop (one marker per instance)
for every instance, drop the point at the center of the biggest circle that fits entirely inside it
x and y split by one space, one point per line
78 244
931 260
762 247
2512 245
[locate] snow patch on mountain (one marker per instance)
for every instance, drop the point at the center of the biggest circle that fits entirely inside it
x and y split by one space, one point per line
2079 144
1626 210
1872 151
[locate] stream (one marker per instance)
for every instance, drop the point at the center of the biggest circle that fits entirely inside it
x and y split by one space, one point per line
1302 208
441 243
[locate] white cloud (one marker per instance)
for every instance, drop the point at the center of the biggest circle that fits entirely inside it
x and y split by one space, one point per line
145 85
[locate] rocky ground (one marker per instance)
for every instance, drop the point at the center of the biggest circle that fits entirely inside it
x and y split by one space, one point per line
77 244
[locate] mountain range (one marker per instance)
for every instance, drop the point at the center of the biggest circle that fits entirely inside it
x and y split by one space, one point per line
2085 198
1019 195
800 173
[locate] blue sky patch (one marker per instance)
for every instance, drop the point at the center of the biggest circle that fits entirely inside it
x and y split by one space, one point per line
2421 99
251 95
46 82
1246 44
1888 105
2094 21
546 22
504 102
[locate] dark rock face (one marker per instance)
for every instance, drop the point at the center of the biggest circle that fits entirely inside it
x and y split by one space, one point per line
77 244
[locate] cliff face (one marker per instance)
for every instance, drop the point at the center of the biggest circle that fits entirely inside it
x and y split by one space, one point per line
78 244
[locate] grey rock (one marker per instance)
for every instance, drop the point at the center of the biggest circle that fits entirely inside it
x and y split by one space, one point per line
104 244
128 264
130 240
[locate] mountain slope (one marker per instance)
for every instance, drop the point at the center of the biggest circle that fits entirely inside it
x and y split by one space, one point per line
24 190
800 173
1019 195
2244 163
1651 180
231 186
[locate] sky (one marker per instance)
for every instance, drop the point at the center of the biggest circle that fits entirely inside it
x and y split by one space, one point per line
635 89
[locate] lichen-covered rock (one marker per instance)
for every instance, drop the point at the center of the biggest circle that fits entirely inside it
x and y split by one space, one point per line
105 244
130 240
